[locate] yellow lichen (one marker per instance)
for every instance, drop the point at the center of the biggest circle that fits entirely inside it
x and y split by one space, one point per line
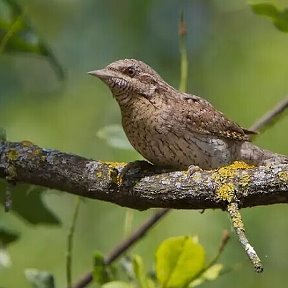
226 192
99 174
37 152
283 176
113 165
226 172
12 155
235 216
240 165
43 158
27 143
113 174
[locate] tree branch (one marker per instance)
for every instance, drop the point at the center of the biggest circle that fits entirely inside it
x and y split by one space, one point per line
143 186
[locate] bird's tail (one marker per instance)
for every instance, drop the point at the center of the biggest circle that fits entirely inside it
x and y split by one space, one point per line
254 155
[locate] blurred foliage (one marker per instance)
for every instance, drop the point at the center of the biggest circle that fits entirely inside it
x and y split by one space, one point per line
101 272
2 134
180 262
39 279
278 17
114 136
36 212
17 35
237 61
7 236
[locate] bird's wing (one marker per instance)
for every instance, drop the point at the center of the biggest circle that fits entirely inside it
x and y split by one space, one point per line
204 118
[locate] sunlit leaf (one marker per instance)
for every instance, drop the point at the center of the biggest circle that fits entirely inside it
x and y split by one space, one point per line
5 260
114 136
278 17
40 279
7 236
27 202
101 272
117 284
139 272
178 260
18 36
210 274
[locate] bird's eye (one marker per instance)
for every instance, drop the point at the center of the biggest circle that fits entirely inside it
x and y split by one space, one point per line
130 71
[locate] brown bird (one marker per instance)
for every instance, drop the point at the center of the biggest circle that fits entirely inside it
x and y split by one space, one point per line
174 129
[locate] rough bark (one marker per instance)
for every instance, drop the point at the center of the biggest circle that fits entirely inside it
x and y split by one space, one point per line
141 185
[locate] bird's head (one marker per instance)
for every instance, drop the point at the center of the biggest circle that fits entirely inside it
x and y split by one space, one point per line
129 78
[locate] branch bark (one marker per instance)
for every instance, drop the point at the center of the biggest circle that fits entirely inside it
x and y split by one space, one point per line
142 185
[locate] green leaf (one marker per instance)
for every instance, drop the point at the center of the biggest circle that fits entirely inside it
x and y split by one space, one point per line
2 134
210 274
17 35
178 261
100 270
265 9
278 17
138 268
39 279
7 236
117 284
27 202
114 136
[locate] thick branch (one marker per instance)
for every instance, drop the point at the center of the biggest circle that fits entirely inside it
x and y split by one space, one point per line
143 186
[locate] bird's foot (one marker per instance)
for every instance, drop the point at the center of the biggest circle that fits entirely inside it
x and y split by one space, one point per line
133 168
192 169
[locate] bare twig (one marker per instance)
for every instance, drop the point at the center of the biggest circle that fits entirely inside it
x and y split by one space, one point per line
70 244
119 249
224 241
268 118
238 226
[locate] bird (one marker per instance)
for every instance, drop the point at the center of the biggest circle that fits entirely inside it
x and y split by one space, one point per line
174 129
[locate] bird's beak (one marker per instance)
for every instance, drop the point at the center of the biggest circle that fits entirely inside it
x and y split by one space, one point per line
102 73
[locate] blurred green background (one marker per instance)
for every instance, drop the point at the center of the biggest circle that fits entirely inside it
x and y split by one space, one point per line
237 60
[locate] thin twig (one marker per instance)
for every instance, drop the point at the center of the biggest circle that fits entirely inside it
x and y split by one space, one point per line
127 243
224 241
238 226
225 238
183 54
70 243
268 118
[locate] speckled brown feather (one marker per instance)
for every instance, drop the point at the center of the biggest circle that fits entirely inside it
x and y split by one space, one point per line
171 128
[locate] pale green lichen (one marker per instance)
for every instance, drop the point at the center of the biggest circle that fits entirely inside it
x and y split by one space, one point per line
99 174
244 180
197 177
283 176
235 216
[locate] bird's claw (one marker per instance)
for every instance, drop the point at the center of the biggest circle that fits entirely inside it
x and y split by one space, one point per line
192 169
